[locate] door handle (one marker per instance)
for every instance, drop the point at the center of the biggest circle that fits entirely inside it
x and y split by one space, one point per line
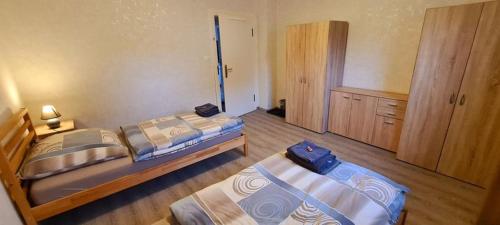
227 70
462 100
452 98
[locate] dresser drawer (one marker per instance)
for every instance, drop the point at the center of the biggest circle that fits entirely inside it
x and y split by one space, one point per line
392 104
386 133
389 112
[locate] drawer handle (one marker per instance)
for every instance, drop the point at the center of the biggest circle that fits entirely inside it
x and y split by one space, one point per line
345 96
389 122
357 99
390 114
392 104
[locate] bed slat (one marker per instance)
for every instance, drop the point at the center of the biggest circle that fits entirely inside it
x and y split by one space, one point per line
16 139
12 122
18 156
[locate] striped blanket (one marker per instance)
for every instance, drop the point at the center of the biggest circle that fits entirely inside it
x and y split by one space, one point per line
278 191
166 135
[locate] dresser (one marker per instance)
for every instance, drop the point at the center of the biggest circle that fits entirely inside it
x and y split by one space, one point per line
315 55
373 117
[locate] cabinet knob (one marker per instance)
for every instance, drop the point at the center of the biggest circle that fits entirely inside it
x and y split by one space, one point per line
452 98
462 100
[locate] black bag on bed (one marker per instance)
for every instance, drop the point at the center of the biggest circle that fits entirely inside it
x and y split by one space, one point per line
206 110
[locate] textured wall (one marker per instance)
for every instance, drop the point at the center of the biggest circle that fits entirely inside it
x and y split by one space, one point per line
382 43
109 63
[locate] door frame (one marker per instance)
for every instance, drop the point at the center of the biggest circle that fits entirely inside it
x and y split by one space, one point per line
213 51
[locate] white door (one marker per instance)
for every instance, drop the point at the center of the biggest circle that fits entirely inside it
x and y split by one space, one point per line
239 53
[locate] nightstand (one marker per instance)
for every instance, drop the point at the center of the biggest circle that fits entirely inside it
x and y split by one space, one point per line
44 131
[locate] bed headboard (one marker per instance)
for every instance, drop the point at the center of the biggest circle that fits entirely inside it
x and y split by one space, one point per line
16 135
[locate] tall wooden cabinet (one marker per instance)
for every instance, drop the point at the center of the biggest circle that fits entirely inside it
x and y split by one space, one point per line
452 122
315 55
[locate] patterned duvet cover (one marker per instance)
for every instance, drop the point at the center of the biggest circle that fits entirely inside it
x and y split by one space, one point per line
166 135
278 191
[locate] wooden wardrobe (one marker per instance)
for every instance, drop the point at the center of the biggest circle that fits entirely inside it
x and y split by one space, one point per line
452 120
315 55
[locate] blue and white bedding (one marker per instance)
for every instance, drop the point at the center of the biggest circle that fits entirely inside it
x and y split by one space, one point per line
166 135
278 191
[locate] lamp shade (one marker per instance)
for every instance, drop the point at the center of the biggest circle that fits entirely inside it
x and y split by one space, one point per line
49 112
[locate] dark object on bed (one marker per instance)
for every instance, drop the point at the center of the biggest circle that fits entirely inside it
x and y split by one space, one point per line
312 157
324 165
207 110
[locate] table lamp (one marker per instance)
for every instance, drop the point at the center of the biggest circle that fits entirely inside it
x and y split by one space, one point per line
50 114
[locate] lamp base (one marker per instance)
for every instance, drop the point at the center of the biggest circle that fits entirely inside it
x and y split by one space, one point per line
54 123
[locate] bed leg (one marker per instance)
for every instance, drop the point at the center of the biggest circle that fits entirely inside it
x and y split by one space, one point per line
245 146
402 217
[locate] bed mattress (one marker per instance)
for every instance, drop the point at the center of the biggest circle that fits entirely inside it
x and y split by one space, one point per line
61 185
278 191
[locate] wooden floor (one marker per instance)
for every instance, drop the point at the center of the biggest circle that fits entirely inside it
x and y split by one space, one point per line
434 199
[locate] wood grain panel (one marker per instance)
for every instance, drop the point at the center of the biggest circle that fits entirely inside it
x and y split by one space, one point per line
472 148
447 37
363 110
392 104
374 93
390 112
386 133
295 56
490 213
336 52
314 117
340 110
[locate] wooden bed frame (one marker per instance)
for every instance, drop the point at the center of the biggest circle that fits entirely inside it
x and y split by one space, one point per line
17 135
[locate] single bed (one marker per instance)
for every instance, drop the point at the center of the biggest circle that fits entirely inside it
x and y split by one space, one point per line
278 191
52 194
65 184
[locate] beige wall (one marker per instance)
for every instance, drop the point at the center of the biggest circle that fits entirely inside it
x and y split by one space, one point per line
382 43
110 63
9 103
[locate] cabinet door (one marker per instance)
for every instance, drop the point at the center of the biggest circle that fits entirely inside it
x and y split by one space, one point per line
386 133
295 50
340 110
447 37
363 110
315 91
472 147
